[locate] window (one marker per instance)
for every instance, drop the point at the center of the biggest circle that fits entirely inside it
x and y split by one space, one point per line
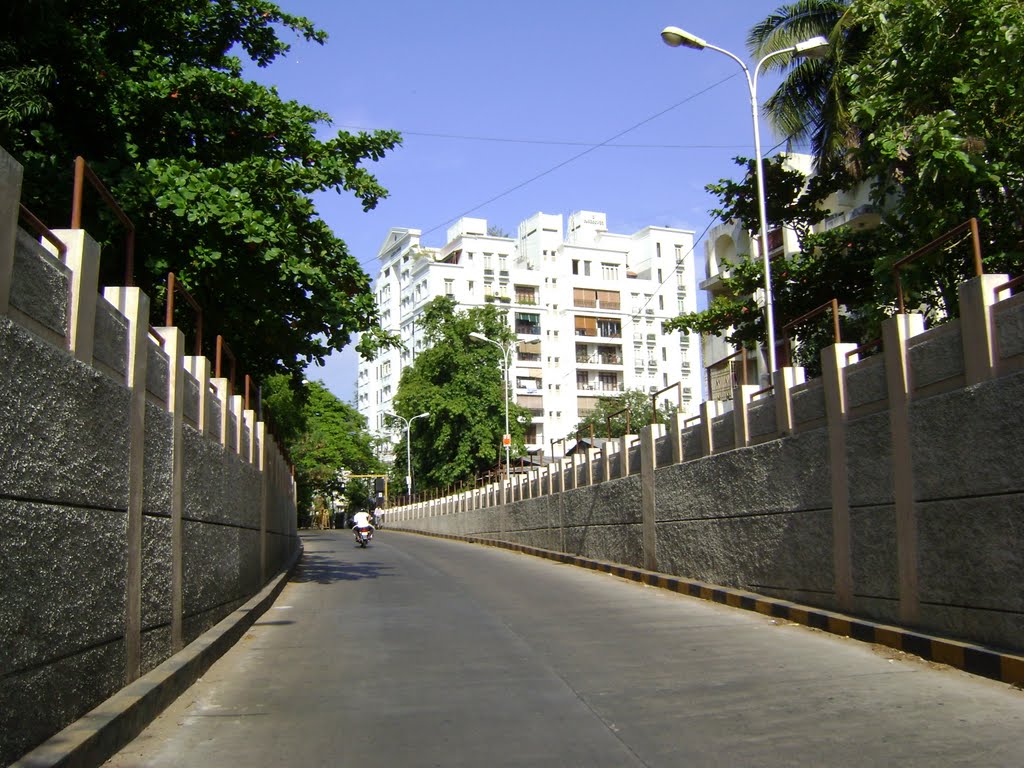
528 323
526 294
586 269
679 254
661 302
610 271
609 327
575 267
589 298
586 326
449 287
657 250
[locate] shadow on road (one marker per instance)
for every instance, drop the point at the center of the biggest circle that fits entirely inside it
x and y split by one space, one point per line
326 568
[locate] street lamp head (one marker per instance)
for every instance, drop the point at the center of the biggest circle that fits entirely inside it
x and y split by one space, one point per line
478 335
815 48
676 37
421 415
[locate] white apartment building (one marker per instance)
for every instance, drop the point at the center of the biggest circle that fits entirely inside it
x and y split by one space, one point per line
729 241
587 305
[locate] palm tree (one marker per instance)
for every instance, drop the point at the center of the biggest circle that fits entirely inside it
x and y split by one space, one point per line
809 103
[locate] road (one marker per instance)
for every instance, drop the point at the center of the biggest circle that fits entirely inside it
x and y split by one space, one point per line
424 652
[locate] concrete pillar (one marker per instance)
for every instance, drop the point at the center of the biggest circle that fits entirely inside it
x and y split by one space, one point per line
783 381
199 367
10 199
675 434
588 472
896 332
83 260
248 430
174 345
833 361
648 464
265 474
134 305
981 353
221 390
741 397
709 409
624 443
237 406
570 478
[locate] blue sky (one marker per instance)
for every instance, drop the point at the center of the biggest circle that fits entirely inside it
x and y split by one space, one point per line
501 106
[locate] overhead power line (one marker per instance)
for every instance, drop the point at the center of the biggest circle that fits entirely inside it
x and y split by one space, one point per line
578 155
547 142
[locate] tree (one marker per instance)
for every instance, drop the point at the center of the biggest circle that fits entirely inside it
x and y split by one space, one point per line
937 96
458 380
609 415
215 171
809 103
322 435
837 264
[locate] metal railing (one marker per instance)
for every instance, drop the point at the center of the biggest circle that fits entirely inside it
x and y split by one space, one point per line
1010 286
971 225
173 287
84 173
37 226
832 305
742 354
608 421
654 399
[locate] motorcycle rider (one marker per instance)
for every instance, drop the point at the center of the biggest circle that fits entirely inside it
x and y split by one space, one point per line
362 519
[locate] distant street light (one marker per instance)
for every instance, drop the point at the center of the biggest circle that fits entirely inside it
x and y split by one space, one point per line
506 352
408 444
813 48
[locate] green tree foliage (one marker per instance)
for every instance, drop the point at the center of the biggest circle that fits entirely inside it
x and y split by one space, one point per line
934 106
809 103
609 416
458 380
322 435
215 171
938 98
837 264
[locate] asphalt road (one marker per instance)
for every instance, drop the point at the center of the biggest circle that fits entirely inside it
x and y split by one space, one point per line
423 652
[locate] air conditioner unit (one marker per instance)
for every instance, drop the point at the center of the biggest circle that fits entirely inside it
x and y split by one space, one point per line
652 389
649 311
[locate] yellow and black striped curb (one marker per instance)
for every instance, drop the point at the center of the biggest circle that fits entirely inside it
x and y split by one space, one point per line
975 659
98 735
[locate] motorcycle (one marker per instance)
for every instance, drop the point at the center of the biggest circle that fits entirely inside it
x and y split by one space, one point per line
363 535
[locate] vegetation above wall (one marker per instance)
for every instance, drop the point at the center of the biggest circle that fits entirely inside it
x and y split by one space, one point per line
920 99
215 171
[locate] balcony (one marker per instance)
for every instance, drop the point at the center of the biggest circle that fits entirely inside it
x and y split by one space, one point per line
598 359
527 329
600 386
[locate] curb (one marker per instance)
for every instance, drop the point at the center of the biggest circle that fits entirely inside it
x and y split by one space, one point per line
98 735
969 657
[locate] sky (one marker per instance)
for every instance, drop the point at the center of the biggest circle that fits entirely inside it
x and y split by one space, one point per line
509 109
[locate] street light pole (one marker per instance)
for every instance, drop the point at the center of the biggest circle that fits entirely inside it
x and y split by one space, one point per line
506 353
676 37
408 445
